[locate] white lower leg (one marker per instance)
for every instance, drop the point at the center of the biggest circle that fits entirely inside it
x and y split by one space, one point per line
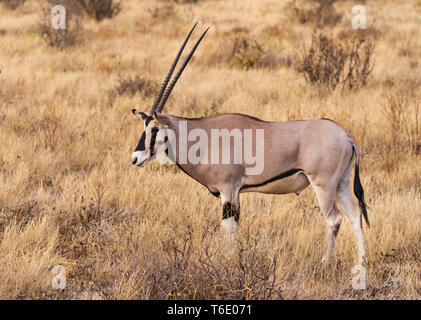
334 224
351 210
230 225
356 225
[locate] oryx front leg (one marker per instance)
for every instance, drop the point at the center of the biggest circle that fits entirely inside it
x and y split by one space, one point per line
230 212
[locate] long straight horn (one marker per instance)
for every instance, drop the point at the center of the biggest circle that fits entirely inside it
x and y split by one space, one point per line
167 79
174 81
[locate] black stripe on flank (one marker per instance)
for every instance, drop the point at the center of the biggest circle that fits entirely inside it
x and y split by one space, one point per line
278 177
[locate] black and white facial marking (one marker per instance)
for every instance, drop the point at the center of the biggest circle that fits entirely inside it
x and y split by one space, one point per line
150 143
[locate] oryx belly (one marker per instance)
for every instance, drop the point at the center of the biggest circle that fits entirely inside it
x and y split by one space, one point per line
292 184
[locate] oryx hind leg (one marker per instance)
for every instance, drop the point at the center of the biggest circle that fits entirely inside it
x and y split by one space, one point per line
326 197
230 210
350 208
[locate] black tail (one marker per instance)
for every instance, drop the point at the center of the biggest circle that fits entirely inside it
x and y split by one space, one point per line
359 191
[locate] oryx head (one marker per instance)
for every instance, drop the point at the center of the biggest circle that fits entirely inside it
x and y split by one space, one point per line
152 140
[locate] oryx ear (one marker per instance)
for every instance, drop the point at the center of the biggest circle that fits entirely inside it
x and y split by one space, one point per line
141 114
163 118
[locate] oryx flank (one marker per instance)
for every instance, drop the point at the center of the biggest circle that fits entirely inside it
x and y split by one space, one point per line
296 153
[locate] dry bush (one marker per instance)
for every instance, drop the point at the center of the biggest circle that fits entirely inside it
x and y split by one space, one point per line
100 9
12 4
409 45
209 268
359 63
329 63
60 38
182 263
323 63
250 54
161 13
348 34
404 121
324 14
245 53
131 86
246 270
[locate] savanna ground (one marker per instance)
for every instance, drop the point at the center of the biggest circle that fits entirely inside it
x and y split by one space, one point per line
70 196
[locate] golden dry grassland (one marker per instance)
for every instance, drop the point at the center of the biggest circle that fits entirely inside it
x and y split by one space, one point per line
70 196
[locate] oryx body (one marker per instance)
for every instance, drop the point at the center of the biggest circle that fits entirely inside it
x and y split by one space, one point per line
295 154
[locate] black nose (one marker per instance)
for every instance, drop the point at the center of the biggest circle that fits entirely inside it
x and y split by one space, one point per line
134 160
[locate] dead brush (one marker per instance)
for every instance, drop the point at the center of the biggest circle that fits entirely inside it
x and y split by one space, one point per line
12 4
60 38
244 271
404 121
160 13
359 63
100 9
246 53
324 14
131 86
323 63
328 63
21 213
209 268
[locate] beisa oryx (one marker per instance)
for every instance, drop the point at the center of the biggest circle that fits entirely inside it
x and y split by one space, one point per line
294 154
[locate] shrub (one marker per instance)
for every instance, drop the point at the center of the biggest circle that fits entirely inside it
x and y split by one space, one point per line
162 13
403 117
359 63
100 9
245 53
214 270
329 63
12 4
323 63
131 86
60 38
248 54
321 15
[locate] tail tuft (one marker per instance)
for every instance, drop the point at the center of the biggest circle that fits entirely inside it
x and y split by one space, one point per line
359 191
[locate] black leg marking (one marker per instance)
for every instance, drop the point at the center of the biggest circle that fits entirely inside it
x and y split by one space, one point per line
336 230
229 211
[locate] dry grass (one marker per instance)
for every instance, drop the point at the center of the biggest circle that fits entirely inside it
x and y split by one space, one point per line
70 196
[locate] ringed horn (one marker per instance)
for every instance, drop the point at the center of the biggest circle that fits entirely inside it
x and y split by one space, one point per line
165 92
